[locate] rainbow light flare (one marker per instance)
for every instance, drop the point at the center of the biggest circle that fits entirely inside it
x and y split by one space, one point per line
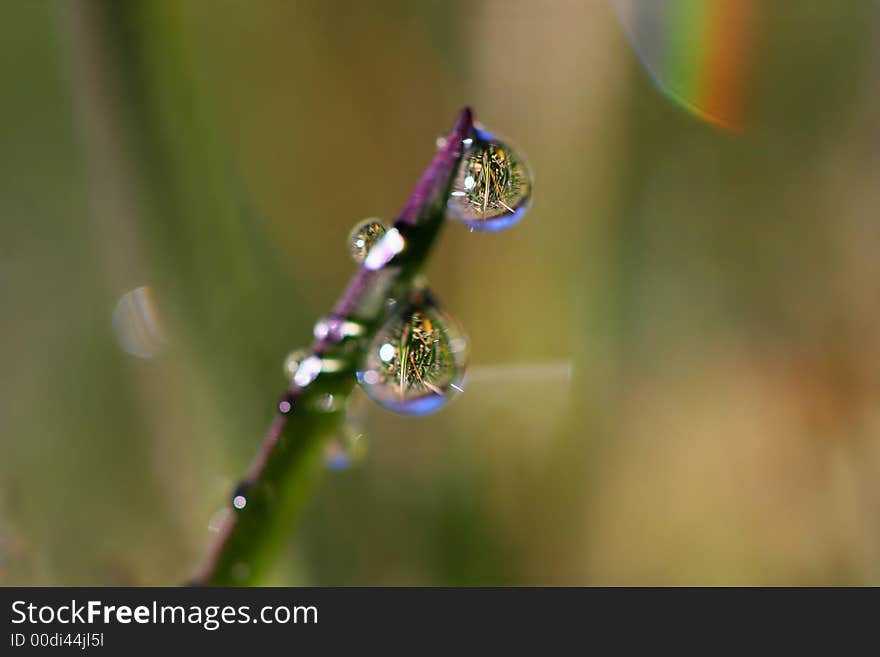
696 51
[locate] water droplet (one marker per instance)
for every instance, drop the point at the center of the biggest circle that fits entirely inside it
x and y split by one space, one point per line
308 371
328 403
336 329
388 246
240 495
137 325
493 187
417 361
292 361
364 236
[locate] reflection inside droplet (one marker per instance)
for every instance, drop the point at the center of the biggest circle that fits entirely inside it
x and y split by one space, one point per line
417 361
493 188
136 324
363 237
386 352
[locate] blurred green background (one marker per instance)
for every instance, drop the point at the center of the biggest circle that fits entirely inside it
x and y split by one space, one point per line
675 356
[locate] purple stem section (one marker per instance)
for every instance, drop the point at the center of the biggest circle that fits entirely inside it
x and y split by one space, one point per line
436 174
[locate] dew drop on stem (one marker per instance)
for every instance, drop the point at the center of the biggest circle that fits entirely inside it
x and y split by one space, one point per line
292 361
417 361
240 495
363 237
493 186
336 328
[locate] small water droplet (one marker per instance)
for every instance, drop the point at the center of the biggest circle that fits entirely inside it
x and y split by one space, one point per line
240 495
292 361
417 361
322 328
308 371
336 329
493 186
364 236
384 250
328 403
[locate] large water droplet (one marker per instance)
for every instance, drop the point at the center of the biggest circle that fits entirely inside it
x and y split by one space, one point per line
363 236
493 187
417 361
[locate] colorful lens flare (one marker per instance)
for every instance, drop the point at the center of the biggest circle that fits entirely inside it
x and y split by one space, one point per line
697 52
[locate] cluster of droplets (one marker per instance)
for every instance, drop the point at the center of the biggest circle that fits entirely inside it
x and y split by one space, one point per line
416 362
493 187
